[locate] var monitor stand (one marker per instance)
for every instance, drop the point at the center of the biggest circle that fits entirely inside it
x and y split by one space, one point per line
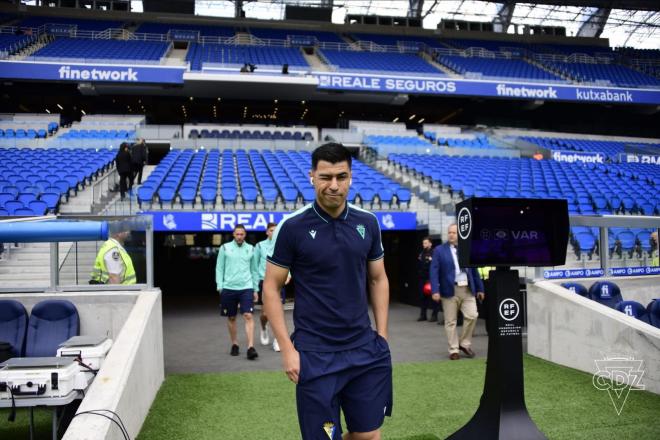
502 413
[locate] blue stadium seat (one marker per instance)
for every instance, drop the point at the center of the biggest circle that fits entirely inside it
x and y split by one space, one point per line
577 288
606 293
51 323
653 313
631 308
13 325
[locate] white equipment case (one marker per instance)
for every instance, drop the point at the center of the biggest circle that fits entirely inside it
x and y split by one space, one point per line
37 377
91 350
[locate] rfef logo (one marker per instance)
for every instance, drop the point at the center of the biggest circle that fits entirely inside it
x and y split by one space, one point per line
509 309
464 223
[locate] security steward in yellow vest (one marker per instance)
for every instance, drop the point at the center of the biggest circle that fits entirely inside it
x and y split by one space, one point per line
113 265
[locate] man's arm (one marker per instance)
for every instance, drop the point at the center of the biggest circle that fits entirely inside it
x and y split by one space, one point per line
220 268
379 290
274 281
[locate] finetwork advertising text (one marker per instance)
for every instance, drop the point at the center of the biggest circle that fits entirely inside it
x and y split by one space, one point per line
93 74
526 92
560 156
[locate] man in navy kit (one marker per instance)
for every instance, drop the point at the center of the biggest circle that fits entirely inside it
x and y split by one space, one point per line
334 356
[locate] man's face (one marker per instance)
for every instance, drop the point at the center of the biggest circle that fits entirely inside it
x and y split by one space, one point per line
452 235
239 235
270 231
426 244
331 183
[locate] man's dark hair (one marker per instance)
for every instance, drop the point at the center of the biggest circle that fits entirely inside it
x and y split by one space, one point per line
331 152
427 238
124 145
239 226
270 225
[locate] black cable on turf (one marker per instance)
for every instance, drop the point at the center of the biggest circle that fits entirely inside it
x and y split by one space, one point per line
124 434
115 415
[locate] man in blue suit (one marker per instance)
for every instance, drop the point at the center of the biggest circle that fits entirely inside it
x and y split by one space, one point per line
456 287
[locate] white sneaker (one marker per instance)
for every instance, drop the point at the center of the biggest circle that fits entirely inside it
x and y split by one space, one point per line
263 336
276 346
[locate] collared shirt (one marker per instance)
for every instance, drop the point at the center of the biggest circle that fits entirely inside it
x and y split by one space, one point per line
328 260
461 276
233 267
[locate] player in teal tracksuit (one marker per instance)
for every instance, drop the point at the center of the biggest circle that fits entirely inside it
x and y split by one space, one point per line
233 277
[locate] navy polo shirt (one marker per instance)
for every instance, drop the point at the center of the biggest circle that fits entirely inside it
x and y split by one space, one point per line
328 259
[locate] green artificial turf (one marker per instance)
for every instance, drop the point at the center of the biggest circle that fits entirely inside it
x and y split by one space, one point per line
431 400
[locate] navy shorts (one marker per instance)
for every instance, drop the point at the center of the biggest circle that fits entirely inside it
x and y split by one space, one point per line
357 381
230 300
261 289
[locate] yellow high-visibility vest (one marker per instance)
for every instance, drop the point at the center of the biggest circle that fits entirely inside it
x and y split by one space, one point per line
100 272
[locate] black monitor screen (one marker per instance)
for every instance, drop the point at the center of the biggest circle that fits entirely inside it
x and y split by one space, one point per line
514 232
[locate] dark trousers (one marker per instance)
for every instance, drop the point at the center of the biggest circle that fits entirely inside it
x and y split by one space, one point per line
125 183
137 171
426 302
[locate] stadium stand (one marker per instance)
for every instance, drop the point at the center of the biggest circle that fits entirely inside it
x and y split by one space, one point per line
77 24
273 134
98 134
73 48
11 44
587 192
377 61
397 40
34 181
204 31
301 36
607 74
242 54
497 68
255 178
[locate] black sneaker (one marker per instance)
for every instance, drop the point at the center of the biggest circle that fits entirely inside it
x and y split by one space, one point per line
234 350
252 354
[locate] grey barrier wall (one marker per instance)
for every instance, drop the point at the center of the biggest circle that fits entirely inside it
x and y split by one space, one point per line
133 371
573 331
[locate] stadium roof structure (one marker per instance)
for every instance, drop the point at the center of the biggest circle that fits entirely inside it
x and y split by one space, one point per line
634 23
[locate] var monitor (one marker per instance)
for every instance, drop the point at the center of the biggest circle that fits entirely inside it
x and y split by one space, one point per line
512 232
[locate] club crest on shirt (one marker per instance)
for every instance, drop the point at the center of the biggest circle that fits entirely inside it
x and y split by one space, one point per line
313 233
329 429
361 230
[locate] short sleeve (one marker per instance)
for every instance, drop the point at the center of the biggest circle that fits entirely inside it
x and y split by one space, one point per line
283 252
376 252
113 262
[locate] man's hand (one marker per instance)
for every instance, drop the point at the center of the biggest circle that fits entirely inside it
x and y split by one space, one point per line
255 297
436 297
481 296
291 363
